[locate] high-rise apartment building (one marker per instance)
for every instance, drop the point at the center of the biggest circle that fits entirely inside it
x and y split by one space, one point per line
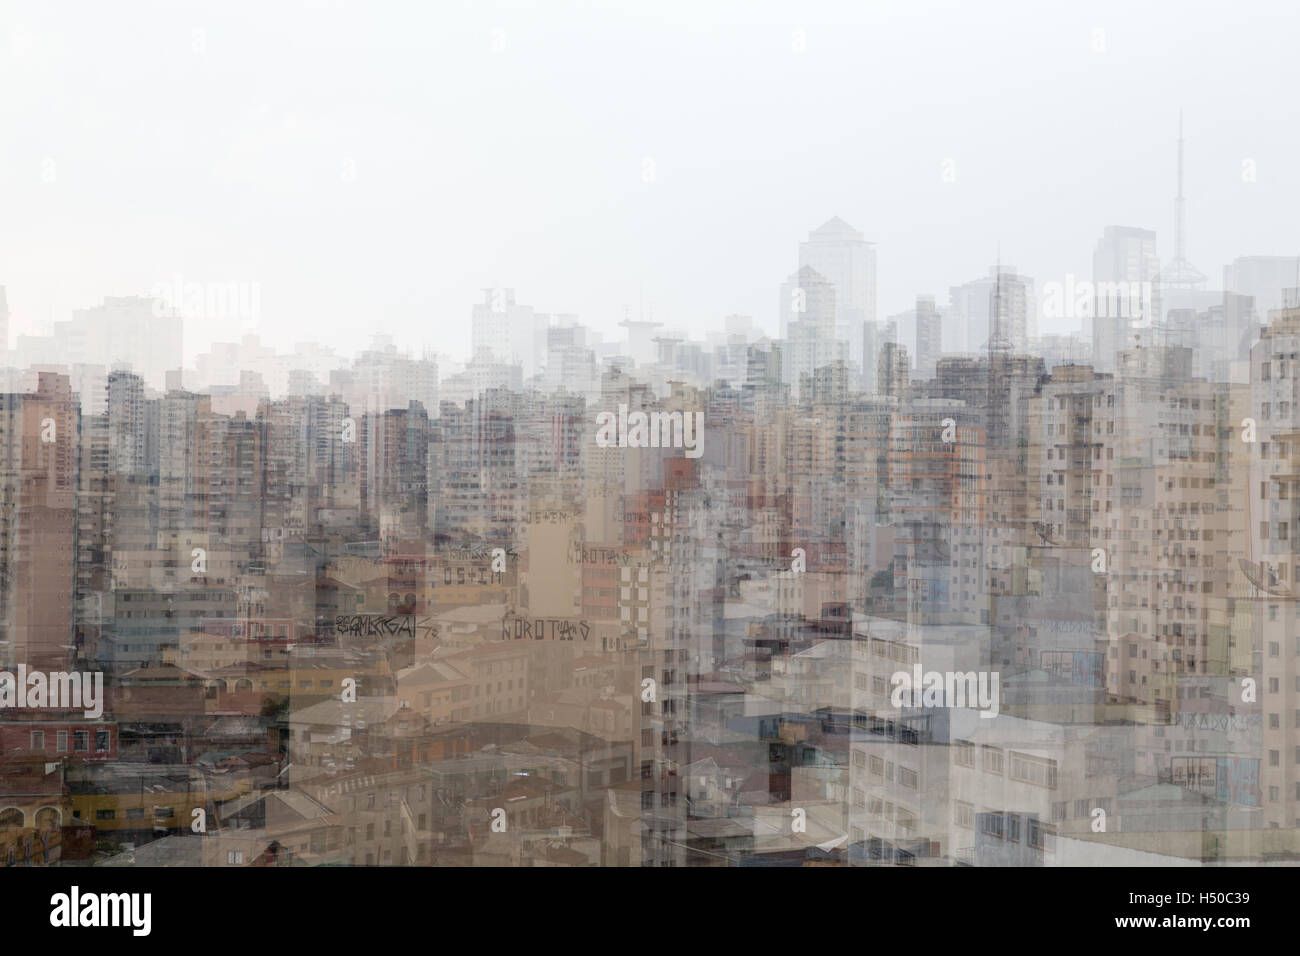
507 332
811 341
39 457
1124 254
841 254
996 312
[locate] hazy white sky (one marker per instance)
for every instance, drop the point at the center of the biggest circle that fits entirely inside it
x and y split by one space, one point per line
221 155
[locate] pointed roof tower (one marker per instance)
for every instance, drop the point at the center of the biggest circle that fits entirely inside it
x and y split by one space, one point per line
1180 273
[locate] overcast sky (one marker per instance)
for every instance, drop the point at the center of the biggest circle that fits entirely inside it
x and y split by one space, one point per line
374 165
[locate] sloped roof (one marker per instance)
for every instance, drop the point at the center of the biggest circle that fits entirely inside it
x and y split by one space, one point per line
835 228
282 806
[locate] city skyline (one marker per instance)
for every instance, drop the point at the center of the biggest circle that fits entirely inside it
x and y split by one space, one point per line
644 436
279 151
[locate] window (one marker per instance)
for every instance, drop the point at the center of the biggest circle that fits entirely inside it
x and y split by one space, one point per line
965 756
1035 834
964 815
992 760
1040 771
992 824
38 740
81 741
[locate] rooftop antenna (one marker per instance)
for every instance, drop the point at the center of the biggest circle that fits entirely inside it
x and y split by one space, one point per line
997 292
1181 273
997 337
1180 203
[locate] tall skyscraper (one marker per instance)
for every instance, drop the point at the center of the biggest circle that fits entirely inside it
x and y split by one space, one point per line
972 321
38 483
920 331
507 331
811 339
1124 254
127 429
1264 278
929 336
842 255
892 370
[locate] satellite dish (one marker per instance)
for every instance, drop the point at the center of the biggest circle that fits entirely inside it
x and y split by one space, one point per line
832 844
1266 582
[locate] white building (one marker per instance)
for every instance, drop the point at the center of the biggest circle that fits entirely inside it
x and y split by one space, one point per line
839 252
971 322
1123 254
122 331
505 332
